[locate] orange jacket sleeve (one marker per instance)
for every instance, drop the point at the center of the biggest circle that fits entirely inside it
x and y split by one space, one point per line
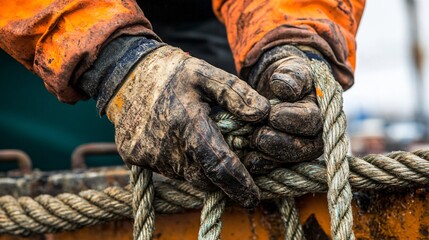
327 25
60 39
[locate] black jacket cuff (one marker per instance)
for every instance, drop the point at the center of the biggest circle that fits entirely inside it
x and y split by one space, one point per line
114 62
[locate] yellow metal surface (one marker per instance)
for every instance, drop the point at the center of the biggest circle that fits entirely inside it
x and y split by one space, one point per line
396 215
379 215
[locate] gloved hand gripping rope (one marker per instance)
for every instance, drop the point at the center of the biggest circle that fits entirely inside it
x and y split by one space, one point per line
329 98
161 111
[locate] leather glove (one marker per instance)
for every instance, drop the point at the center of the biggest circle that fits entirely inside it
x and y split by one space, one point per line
294 131
161 118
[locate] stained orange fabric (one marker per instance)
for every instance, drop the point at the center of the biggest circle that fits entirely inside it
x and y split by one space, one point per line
60 39
328 25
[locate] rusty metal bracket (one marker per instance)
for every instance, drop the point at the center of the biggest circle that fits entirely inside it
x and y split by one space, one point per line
81 152
24 161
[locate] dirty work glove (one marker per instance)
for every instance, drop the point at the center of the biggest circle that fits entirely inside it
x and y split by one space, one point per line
294 131
161 117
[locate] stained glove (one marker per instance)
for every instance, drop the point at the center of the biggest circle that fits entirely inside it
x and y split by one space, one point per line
294 131
161 117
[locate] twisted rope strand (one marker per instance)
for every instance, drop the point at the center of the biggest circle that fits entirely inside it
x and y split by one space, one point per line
211 224
335 150
43 214
143 196
176 196
290 217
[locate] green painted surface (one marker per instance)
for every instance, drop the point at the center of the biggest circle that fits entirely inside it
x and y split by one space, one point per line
33 120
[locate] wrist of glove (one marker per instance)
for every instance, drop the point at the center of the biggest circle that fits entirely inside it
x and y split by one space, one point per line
114 62
161 116
294 130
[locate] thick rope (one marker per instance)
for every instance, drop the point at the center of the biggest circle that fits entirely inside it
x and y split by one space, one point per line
336 145
25 216
176 196
211 224
143 210
47 214
290 218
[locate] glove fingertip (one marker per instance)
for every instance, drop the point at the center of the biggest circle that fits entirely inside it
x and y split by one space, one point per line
221 165
231 176
257 108
252 201
285 88
258 163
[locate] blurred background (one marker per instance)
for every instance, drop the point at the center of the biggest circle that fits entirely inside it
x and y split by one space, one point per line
387 107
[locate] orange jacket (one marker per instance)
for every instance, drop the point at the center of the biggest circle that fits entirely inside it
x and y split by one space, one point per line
328 25
60 39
